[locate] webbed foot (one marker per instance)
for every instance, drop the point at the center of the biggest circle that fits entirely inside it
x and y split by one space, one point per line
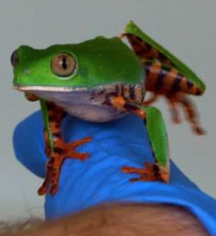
61 151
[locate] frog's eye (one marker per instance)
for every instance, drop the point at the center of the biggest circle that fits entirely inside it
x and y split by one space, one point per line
14 58
63 65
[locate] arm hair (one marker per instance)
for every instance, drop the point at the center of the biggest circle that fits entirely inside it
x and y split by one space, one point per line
124 220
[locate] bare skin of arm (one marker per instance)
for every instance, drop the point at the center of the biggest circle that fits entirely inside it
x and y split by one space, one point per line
121 219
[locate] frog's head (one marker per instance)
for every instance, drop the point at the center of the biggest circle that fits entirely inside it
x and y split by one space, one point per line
53 67
93 63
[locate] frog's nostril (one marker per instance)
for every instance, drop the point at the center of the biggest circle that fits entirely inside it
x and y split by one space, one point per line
14 58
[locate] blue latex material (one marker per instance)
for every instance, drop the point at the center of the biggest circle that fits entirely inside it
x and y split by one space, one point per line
123 142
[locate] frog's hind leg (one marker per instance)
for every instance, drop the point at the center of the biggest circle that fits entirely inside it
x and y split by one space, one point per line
145 51
60 150
169 82
163 77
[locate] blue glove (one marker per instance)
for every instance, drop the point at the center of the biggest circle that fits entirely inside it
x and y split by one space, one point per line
123 142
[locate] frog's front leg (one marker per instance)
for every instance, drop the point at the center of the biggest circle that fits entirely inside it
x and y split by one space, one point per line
159 170
60 150
152 117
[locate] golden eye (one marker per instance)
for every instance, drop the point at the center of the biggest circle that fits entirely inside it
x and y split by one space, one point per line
63 65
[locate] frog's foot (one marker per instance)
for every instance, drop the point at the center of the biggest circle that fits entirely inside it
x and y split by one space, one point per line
61 152
175 102
68 149
151 172
189 109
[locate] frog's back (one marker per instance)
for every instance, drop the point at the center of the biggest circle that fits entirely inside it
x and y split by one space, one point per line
107 60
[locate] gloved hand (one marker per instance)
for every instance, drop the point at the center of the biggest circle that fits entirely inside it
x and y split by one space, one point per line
123 142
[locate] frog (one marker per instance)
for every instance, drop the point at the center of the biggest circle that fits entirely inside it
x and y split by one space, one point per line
103 79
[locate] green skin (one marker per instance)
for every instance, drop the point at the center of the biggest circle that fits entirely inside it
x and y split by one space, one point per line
101 63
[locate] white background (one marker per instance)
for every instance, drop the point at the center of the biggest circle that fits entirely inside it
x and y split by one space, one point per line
186 27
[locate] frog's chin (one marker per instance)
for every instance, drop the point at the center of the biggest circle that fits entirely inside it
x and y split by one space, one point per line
84 103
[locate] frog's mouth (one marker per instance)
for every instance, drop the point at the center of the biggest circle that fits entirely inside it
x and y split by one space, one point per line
51 88
64 96
115 89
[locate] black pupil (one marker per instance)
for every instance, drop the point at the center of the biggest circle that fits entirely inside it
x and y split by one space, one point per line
64 63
